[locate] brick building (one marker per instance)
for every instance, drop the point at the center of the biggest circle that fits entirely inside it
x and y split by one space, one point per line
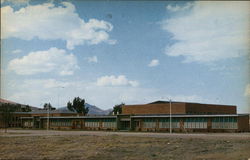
155 116
184 117
163 107
32 116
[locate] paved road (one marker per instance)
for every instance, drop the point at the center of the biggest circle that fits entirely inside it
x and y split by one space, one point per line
18 133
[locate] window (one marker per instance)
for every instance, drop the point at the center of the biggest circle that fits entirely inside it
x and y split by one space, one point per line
149 123
92 123
224 123
109 123
197 122
165 123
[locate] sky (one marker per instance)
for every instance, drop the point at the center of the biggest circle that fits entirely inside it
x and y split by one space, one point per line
134 52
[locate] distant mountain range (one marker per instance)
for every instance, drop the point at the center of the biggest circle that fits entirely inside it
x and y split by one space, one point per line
93 110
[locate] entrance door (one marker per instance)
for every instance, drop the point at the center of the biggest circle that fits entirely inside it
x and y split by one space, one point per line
77 125
137 124
36 122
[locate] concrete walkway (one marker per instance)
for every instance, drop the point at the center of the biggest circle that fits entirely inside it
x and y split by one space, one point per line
26 132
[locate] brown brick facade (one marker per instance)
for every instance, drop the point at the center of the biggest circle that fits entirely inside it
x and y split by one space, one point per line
178 108
163 108
196 108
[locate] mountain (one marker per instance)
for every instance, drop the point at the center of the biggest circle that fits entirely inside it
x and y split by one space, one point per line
93 110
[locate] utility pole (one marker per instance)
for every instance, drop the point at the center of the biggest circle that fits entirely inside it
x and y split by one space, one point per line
170 116
48 119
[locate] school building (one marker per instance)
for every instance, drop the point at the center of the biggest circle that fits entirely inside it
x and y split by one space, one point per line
155 116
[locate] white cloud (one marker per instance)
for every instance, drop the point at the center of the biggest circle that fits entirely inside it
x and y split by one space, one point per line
39 91
247 90
210 31
16 51
153 63
177 8
52 60
120 80
49 22
92 59
45 83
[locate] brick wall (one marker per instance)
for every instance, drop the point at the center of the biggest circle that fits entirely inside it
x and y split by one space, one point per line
163 108
196 108
243 123
178 108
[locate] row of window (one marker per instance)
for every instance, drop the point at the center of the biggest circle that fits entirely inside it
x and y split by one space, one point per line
195 119
161 125
92 124
97 124
198 125
195 125
167 125
224 119
109 124
168 120
161 120
68 123
28 124
199 119
217 123
61 123
149 125
224 125
100 120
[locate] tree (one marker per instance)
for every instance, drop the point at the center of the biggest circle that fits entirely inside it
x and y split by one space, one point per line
78 105
48 106
26 109
117 109
7 112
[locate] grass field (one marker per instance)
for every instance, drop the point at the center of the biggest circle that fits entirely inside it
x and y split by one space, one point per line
121 146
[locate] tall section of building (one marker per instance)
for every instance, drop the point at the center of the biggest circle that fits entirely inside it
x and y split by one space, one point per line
163 107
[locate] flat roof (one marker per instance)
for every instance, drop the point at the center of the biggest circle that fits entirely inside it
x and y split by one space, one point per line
190 115
143 116
162 102
72 117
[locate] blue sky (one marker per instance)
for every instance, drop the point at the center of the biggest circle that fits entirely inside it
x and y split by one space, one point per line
124 51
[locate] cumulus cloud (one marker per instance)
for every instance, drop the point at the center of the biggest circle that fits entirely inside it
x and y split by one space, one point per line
45 83
247 90
49 22
120 80
52 60
153 63
177 8
92 59
209 31
39 91
16 51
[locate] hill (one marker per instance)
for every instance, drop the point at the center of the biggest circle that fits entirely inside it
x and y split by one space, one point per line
93 110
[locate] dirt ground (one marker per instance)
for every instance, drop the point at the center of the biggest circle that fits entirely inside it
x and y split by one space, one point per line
98 145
